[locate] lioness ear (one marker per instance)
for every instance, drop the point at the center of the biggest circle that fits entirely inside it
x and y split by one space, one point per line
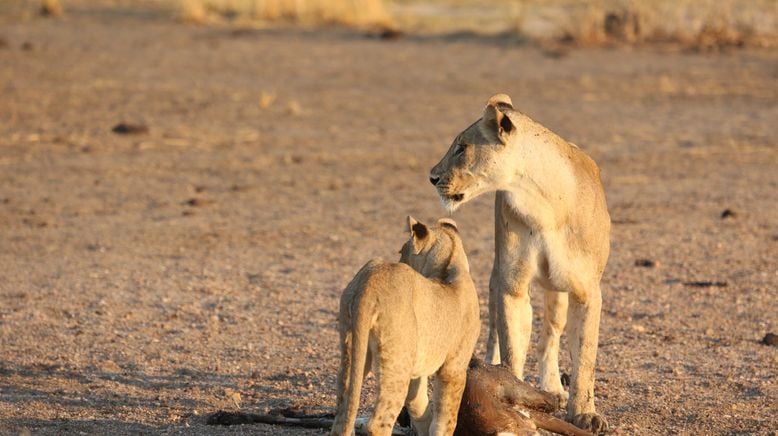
497 121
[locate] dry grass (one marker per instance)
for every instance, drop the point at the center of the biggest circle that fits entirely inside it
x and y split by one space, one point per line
51 8
307 12
696 23
699 23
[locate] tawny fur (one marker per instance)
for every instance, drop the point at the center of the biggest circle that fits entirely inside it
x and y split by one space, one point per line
551 228
407 321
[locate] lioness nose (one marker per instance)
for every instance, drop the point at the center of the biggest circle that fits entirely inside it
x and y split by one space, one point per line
434 180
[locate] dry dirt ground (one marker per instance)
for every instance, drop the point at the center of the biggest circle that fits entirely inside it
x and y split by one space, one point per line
147 280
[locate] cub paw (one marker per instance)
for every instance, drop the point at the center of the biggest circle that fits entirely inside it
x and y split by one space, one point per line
592 422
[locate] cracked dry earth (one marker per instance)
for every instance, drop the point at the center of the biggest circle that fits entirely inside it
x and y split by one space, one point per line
149 279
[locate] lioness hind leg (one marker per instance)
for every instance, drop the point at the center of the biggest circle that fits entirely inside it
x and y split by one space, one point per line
554 320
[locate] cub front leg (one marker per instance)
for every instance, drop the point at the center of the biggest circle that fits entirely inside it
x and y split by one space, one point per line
584 326
447 388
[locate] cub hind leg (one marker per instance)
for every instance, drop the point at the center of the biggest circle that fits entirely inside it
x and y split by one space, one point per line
447 388
394 376
417 403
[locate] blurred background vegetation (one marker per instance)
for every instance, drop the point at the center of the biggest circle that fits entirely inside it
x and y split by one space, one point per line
698 23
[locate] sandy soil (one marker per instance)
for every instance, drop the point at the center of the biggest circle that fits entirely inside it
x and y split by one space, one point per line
147 280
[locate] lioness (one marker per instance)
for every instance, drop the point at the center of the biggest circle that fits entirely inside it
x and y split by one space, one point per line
407 321
551 227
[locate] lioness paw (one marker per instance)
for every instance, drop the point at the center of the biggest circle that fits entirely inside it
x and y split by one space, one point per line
592 422
562 397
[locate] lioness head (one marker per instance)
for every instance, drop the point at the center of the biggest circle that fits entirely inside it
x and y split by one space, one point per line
477 160
435 251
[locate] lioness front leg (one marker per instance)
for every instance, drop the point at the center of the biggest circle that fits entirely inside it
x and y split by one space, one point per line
584 324
514 319
493 343
447 388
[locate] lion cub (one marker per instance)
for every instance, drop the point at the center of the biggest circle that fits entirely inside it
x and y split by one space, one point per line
407 321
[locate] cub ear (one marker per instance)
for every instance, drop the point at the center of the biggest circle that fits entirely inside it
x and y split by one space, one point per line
448 222
419 233
496 118
500 99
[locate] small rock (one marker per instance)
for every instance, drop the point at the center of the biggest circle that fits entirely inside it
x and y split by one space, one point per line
645 263
233 396
266 99
110 366
770 339
27 46
389 34
254 279
196 202
706 284
290 159
130 129
294 108
555 51
51 8
728 213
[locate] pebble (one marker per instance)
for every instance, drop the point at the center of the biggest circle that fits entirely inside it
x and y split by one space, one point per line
646 263
130 129
728 213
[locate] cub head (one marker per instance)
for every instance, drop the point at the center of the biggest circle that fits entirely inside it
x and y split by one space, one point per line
435 251
478 160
